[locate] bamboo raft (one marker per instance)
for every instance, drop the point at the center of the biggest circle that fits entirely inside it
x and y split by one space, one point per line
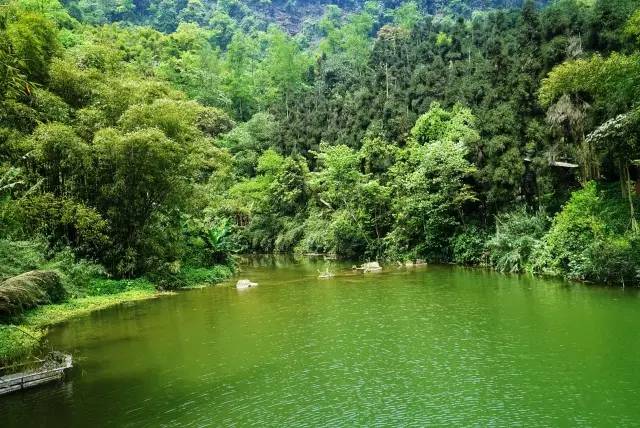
53 369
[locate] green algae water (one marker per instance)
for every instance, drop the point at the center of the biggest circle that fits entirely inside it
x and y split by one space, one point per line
435 346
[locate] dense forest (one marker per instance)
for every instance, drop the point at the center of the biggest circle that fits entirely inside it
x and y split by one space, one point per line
291 15
156 138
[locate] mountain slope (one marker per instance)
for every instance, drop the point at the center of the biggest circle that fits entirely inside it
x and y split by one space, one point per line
165 15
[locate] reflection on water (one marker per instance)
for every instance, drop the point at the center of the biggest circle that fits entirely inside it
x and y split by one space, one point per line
406 347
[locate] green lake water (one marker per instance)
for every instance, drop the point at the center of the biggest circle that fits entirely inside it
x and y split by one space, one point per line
435 346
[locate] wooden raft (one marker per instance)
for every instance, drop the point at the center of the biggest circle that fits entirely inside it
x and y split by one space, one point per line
45 374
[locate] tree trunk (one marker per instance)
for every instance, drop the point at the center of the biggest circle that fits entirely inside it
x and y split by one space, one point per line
627 187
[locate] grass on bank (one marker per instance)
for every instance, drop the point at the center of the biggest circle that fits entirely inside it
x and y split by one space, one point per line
197 277
24 336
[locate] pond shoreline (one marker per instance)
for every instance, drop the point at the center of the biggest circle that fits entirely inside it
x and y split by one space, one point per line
398 265
19 340
521 348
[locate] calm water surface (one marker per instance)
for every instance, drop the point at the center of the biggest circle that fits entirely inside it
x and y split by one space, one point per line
436 346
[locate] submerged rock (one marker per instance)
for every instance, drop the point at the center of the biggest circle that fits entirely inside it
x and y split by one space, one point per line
245 283
415 263
326 275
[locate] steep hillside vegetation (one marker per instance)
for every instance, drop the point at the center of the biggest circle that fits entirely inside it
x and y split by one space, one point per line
291 15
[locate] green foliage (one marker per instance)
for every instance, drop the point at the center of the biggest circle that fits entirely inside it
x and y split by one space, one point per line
590 239
49 106
612 260
378 155
457 125
17 342
60 156
348 39
17 257
105 286
288 193
214 122
378 130
32 38
443 39
349 239
29 290
248 141
518 235
430 195
195 277
209 242
216 243
318 235
283 68
578 224
63 222
76 274
611 81
351 213
632 27
141 175
339 172
407 15
174 118
469 247
74 85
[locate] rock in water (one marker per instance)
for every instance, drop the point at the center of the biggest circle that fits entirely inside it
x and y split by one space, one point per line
245 283
326 275
371 267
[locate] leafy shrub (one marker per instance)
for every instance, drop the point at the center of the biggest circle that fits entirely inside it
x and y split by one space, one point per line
173 277
104 286
17 257
76 275
349 239
574 229
589 239
291 233
63 221
75 86
21 116
213 122
51 108
468 247
197 276
517 235
210 241
340 234
610 260
317 238
17 343
167 276
431 193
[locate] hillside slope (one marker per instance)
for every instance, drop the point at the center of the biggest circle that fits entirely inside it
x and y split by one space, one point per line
165 15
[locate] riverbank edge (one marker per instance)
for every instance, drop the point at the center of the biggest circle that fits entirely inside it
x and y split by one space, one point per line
18 341
409 264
